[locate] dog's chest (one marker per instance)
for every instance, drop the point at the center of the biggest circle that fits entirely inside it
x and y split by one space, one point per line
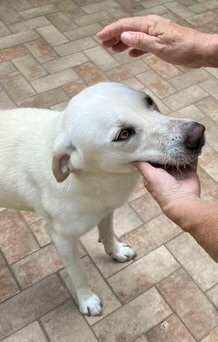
103 195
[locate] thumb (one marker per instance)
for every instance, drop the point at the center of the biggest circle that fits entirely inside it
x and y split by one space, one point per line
150 173
138 40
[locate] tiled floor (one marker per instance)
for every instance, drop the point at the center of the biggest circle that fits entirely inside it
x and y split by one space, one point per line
169 293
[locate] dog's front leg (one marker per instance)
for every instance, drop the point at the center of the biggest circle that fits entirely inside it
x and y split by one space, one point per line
118 250
89 303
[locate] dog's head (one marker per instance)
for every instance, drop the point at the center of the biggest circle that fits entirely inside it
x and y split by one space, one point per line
109 126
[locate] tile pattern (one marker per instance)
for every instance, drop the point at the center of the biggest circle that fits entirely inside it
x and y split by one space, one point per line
49 53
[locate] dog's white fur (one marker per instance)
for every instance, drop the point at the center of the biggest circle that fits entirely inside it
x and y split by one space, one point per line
68 167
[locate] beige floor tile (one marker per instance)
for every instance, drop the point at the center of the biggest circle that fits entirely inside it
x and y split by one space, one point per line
212 337
90 73
164 69
31 304
125 219
41 50
4 31
17 38
203 18
127 70
53 81
138 191
72 89
178 8
61 21
44 100
75 46
64 63
210 86
8 286
189 78
143 274
170 330
30 216
38 11
88 19
2 262
209 188
133 83
141 339
202 7
156 84
30 24
31 333
37 266
185 97
100 6
213 295
66 324
209 107
101 57
151 235
39 231
134 319
16 240
17 86
29 68
209 161
5 101
211 131
195 260
83 32
6 68
146 207
190 304
190 112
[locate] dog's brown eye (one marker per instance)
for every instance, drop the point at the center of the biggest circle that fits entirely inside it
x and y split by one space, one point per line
125 134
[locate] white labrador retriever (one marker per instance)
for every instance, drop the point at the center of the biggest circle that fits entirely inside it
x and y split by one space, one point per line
75 167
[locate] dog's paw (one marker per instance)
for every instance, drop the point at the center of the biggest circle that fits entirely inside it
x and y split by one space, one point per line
123 253
91 305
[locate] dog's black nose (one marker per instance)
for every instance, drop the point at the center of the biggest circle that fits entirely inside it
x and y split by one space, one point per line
195 137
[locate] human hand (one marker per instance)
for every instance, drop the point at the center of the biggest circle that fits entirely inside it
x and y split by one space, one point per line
171 186
167 40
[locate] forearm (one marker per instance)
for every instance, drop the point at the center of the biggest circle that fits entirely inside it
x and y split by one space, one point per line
200 219
210 51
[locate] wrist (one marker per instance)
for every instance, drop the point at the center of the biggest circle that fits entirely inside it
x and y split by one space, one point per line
181 211
209 49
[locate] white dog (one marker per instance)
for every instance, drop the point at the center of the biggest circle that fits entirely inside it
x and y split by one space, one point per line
75 167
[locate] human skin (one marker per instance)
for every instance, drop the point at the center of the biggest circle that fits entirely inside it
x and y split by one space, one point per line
167 40
178 195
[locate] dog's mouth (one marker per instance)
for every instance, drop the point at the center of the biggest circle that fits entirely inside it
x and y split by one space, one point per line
179 167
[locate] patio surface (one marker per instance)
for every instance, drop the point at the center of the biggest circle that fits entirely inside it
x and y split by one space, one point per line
169 293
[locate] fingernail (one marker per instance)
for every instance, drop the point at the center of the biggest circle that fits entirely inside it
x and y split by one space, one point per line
126 37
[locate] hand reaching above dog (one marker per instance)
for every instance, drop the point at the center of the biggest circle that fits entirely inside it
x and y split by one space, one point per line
167 40
178 195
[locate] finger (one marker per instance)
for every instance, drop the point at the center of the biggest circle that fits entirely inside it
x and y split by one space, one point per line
119 47
144 168
122 25
136 53
138 40
110 42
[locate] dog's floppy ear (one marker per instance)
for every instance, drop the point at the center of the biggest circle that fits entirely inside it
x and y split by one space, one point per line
66 158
